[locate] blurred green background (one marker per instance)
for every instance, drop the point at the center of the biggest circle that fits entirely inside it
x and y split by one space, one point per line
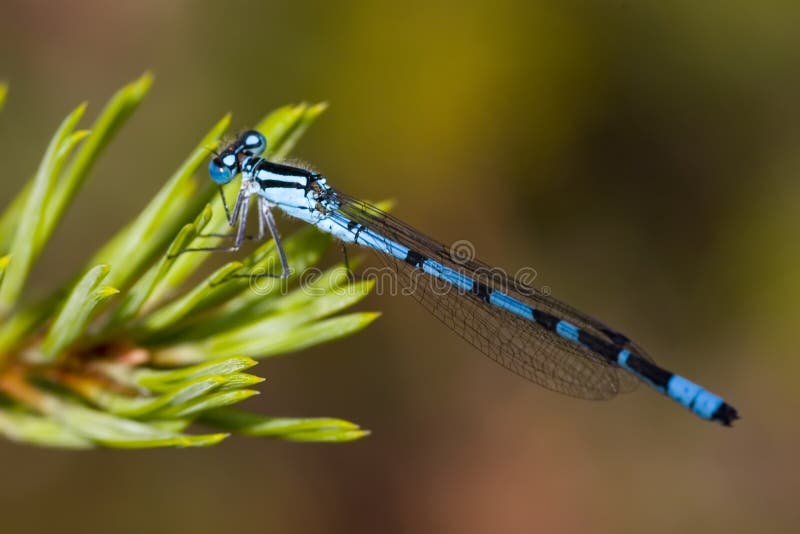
641 155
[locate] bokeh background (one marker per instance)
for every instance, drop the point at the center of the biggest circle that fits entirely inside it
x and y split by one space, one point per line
643 156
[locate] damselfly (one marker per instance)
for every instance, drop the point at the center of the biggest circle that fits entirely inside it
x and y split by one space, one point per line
530 333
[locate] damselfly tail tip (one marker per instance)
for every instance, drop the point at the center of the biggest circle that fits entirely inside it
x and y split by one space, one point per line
726 414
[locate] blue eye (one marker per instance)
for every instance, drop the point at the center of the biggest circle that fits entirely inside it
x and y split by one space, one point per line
253 142
221 171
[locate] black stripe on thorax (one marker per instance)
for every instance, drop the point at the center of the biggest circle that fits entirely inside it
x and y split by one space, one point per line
279 184
304 178
284 170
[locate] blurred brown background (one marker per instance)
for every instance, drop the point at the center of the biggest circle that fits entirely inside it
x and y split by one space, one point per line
643 156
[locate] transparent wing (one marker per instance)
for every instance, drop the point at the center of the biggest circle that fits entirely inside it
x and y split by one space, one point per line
522 346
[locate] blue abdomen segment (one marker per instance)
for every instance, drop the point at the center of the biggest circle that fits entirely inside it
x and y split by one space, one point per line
501 300
693 397
567 330
450 276
370 239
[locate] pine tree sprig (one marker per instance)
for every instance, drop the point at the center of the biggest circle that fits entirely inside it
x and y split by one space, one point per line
130 353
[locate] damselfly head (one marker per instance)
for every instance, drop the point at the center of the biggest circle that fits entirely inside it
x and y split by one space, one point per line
227 163
224 167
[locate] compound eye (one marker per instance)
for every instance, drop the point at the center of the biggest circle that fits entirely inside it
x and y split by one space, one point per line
254 142
223 168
